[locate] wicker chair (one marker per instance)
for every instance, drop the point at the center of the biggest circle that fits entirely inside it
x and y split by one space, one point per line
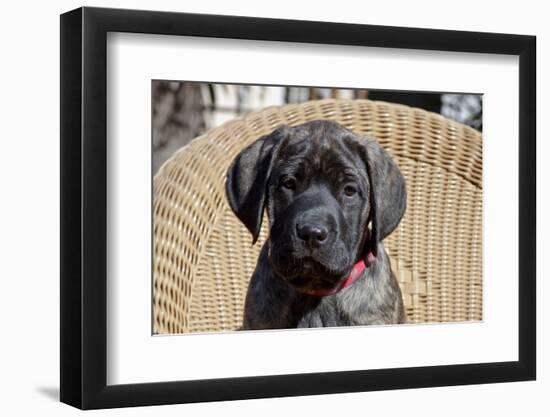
203 257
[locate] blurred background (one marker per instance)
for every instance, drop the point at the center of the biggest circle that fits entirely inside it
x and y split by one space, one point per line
184 110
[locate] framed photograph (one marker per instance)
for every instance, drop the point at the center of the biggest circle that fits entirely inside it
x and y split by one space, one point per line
256 208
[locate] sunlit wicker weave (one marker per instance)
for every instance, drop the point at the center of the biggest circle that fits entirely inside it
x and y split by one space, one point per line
203 256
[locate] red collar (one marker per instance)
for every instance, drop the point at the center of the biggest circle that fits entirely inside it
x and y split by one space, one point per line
354 275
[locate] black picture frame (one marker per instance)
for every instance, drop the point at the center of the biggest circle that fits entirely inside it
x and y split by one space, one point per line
84 209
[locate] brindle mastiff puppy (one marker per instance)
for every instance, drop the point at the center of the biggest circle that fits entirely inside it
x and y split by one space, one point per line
331 197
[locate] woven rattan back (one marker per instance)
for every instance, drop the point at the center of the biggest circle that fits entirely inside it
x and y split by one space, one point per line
203 257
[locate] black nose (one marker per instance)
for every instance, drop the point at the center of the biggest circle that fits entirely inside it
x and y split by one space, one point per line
315 235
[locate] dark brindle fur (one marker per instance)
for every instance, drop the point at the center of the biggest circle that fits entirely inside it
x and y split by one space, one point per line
331 197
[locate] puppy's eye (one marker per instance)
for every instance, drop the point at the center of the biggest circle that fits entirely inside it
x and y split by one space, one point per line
289 183
350 190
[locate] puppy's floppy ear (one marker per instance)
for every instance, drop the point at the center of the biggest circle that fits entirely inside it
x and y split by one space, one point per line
247 178
388 194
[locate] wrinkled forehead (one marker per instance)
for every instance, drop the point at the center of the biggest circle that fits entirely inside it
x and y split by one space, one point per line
321 149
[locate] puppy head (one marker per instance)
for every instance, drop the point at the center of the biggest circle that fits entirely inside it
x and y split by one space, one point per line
330 197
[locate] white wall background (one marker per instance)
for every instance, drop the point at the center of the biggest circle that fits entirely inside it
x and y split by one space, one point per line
29 225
